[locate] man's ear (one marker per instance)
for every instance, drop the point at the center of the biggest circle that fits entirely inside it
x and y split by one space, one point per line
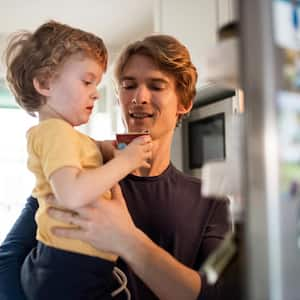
182 110
41 87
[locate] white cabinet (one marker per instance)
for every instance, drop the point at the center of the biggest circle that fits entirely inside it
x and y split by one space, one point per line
193 22
226 12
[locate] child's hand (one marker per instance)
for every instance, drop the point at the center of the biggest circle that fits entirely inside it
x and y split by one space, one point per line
138 152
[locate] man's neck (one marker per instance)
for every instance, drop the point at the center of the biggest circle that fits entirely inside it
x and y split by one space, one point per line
161 153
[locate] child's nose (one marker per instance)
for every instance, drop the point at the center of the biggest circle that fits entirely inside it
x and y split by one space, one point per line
95 95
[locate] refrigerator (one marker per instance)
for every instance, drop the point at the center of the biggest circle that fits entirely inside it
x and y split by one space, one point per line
266 68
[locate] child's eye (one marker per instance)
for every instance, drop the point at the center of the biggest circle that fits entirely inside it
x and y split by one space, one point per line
87 82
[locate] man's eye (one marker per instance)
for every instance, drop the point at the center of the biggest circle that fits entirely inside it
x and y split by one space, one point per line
128 86
156 87
86 82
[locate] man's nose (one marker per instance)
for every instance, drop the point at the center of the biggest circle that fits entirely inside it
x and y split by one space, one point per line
142 95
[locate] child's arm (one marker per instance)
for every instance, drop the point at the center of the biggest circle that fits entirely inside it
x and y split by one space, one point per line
107 149
75 188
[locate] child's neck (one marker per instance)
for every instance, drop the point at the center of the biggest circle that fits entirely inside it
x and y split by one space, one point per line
48 112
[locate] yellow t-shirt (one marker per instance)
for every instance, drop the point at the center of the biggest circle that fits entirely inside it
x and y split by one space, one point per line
54 144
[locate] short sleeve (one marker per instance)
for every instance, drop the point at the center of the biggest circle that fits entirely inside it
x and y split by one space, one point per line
56 144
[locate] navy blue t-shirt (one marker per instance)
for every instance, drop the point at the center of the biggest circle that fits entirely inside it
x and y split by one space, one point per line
169 208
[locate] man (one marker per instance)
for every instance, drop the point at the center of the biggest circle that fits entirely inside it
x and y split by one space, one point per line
169 229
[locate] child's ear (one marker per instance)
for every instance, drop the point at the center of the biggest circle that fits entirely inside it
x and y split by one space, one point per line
41 87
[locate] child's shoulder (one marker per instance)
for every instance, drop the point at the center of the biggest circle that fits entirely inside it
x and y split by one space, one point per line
52 124
51 127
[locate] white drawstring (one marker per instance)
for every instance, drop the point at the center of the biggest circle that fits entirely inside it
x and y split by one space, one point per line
122 279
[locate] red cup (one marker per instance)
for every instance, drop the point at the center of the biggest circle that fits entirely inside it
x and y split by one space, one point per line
126 138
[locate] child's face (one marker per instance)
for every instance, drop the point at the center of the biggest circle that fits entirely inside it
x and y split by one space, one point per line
73 92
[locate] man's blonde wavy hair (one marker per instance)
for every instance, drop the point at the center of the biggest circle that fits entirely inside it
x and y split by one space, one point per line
171 57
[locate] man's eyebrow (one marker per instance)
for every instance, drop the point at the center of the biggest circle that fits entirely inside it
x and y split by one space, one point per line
159 80
152 79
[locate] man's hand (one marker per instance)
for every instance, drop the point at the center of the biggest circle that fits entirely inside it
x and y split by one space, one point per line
108 226
105 225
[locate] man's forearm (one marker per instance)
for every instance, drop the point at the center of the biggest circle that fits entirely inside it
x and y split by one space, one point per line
162 273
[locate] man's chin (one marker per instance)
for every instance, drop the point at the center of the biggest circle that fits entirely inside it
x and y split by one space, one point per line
138 129
138 126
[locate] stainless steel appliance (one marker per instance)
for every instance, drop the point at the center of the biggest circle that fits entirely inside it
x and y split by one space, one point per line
269 31
209 133
269 49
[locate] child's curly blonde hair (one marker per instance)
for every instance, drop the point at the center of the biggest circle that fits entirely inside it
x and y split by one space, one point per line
41 54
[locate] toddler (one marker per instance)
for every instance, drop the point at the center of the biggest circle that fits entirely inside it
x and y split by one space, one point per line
53 73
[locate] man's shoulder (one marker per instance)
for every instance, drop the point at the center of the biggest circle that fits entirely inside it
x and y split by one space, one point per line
193 185
184 177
